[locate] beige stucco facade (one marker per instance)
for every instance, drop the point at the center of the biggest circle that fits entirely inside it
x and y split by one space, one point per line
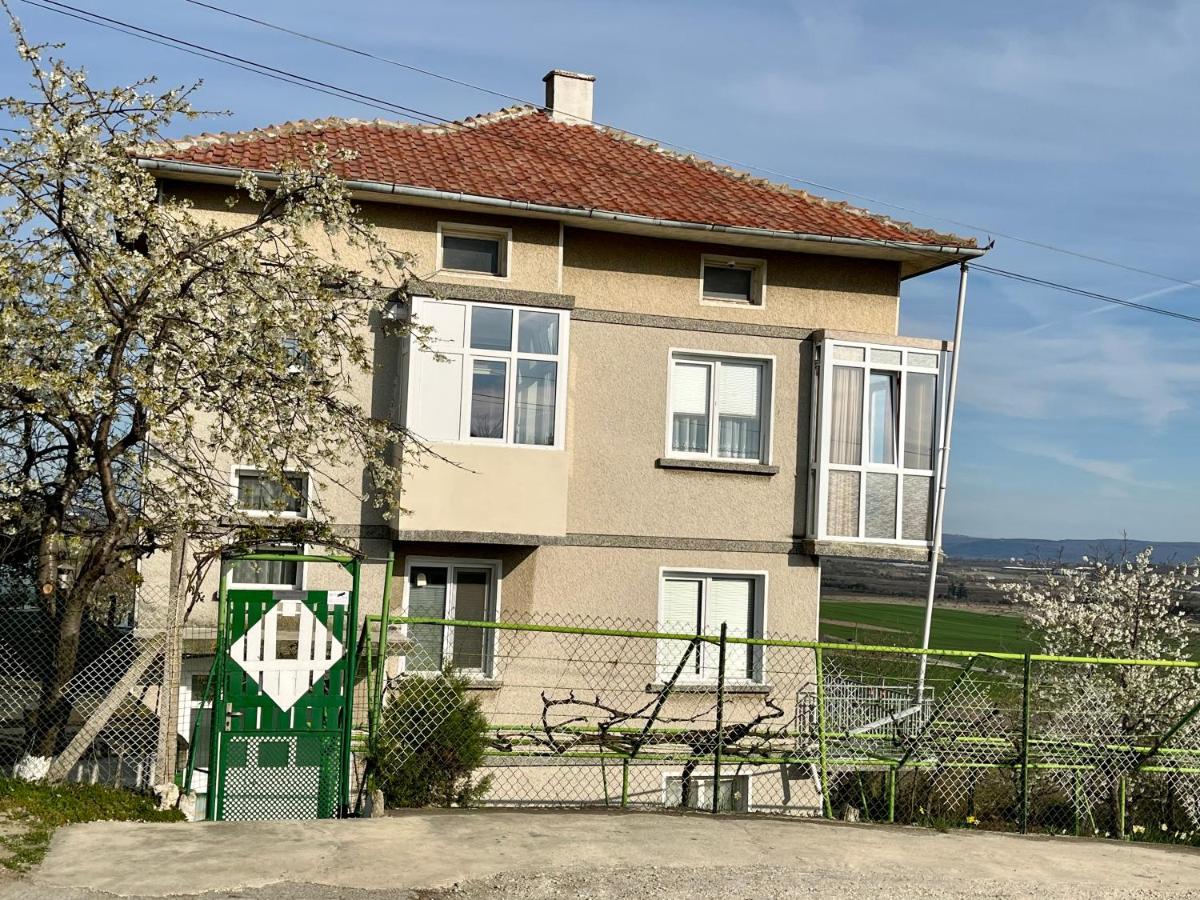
602 509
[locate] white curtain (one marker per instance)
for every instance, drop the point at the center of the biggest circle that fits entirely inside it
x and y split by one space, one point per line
845 441
739 391
689 407
731 600
680 615
921 389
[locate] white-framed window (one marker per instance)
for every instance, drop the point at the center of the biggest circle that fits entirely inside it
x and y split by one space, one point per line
699 602
493 374
876 427
474 249
463 589
735 792
736 280
719 407
258 494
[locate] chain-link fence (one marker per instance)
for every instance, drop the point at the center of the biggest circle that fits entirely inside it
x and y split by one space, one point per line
120 705
599 712
595 712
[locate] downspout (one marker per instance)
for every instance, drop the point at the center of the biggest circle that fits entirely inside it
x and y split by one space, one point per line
939 506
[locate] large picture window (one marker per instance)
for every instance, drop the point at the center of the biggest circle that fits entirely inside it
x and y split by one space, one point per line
698 603
490 374
720 407
876 428
452 589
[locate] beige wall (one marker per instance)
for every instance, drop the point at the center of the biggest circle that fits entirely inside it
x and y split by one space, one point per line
617 429
515 490
661 277
605 481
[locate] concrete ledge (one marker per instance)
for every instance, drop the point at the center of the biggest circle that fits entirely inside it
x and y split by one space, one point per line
865 550
679 323
716 465
444 290
631 541
735 688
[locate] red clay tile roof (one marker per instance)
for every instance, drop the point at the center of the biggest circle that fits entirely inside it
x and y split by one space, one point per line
521 154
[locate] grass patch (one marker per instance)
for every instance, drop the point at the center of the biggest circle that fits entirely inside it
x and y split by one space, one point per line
29 813
895 624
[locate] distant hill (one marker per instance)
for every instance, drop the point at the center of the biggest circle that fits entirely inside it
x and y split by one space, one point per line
962 546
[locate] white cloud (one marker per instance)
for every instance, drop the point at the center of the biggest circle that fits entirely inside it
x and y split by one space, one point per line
1125 472
1094 368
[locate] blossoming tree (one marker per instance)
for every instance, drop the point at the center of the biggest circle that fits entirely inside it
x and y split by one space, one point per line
1130 609
143 339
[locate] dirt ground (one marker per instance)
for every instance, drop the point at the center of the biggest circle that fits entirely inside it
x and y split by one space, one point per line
456 855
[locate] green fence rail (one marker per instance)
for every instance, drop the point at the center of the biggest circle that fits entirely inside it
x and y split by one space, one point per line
584 712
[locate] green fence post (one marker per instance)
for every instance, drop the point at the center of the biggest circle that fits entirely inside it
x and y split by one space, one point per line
822 754
216 729
718 747
625 783
1025 690
351 635
376 700
891 789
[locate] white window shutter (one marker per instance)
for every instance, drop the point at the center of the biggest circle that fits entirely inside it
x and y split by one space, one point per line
680 615
689 388
436 386
739 389
731 600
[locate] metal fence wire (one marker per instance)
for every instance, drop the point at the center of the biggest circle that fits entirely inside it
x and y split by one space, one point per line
590 711
132 675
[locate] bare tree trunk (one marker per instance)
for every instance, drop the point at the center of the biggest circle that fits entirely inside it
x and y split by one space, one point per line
53 709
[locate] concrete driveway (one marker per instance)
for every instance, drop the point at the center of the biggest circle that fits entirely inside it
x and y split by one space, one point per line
532 854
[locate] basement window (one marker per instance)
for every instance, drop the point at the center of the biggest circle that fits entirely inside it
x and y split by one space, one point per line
473 250
736 280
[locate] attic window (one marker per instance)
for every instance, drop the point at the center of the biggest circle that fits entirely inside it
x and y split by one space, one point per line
473 250
732 280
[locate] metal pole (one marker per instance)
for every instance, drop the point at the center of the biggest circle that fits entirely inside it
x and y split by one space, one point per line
716 789
216 724
381 656
625 783
1025 747
891 789
939 504
351 635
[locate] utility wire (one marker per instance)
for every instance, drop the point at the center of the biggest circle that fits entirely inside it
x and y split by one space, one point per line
427 118
874 201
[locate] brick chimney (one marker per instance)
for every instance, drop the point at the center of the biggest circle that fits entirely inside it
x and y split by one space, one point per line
569 96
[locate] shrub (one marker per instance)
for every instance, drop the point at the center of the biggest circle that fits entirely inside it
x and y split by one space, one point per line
430 740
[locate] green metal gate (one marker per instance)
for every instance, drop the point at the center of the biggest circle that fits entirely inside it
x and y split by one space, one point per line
280 744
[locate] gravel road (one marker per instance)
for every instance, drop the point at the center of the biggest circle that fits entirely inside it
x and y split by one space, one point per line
456 855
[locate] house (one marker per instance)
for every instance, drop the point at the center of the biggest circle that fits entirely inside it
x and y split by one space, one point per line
670 388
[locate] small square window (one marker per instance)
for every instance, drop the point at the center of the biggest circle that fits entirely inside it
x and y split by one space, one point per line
732 280
479 251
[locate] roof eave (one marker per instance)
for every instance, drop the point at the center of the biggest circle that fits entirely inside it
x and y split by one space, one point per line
915 258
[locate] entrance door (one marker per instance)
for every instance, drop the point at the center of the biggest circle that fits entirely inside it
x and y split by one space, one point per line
282 705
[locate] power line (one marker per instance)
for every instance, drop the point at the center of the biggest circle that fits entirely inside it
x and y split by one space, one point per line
875 201
298 80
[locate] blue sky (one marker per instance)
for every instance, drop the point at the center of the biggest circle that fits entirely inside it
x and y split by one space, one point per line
1069 123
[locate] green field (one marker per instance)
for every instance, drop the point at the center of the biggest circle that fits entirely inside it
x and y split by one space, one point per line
900 623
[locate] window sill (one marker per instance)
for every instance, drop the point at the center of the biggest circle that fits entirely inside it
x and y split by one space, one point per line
484 684
711 688
716 465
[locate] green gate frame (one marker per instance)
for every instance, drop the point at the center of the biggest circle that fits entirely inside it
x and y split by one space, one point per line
353 565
